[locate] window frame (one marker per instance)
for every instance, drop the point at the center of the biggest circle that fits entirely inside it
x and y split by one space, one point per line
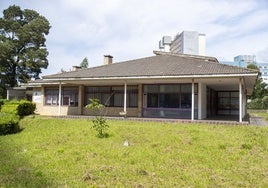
114 90
54 96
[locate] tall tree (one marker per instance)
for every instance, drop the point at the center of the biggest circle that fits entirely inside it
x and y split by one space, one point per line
260 88
84 63
22 46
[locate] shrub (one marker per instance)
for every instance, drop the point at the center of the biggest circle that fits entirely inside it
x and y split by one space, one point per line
99 123
26 108
10 108
21 108
2 101
9 123
265 102
255 104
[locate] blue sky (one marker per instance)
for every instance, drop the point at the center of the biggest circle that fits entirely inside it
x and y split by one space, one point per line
129 29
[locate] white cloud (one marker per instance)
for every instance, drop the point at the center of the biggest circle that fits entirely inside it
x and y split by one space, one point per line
131 29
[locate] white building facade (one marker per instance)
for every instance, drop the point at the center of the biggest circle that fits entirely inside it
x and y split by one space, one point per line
248 59
186 42
264 71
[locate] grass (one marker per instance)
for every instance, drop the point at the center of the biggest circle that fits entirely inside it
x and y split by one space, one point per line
67 153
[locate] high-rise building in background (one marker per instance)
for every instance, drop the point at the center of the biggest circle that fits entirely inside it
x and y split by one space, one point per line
194 43
247 59
186 42
164 43
263 71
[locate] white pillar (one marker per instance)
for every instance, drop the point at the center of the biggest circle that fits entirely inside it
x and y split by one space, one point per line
240 101
192 113
7 94
125 97
59 111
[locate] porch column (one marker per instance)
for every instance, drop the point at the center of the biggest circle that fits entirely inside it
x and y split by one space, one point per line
125 97
7 94
140 100
192 113
59 110
240 100
81 99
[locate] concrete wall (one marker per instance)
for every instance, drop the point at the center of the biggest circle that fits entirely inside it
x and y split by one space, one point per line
202 101
80 109
54 110
202 44
112 111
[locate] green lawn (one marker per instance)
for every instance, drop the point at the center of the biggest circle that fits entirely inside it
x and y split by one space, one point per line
66 153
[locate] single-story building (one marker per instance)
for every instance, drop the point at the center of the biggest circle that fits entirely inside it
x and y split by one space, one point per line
165 85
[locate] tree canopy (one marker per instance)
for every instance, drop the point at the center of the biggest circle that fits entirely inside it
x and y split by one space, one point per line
22 46
261 88
84 63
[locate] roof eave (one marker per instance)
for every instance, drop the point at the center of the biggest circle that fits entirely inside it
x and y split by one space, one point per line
152 77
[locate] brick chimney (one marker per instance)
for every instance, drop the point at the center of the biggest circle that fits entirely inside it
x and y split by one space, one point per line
76 68
108 59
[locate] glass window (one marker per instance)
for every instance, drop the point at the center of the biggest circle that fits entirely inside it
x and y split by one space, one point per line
170 95
224 103
69 96
186 88
133 99
223 94
228 102
234 103
168 100
234 94
186 101
151 88
169 88
152 100
118 99
51 96
113 96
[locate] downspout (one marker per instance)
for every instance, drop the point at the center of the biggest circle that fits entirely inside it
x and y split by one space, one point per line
192 113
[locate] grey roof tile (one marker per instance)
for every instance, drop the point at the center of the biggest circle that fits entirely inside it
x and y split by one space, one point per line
164 64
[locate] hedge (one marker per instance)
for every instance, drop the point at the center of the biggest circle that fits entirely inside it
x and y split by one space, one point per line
9 123
21 108
2 101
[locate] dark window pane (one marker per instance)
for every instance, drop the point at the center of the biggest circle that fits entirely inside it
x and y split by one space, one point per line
168 100
186 88
133 99
186 100
169 88
151 88
152 100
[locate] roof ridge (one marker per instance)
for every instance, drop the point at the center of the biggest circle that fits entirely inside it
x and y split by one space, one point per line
209 58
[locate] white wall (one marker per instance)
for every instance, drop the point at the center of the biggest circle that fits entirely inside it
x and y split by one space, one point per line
202 45
202 101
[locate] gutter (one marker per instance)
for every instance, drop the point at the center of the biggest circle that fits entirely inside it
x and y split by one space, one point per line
152 77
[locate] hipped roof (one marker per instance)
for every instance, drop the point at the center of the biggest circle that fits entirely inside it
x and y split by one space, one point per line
163 64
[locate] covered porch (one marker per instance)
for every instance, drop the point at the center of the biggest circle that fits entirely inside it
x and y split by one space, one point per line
170 98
